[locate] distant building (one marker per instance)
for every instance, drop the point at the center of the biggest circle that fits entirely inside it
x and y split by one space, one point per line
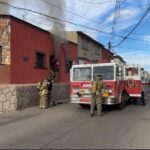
88 48
118 59
107 56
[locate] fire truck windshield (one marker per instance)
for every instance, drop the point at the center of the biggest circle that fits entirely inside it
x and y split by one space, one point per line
107 72
82 74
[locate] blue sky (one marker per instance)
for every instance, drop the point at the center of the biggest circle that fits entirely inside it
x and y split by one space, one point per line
98 15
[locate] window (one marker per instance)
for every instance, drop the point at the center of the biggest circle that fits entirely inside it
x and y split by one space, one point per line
51 61
132 71
97 54
84 43
82 74
107 72
0 55
96 47
68 66
119 71
40 60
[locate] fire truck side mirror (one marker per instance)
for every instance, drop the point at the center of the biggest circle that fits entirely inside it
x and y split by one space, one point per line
119 71
119 74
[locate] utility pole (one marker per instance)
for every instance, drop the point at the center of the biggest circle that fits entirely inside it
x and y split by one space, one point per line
109 46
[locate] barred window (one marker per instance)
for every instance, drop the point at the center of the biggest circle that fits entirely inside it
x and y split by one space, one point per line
40 60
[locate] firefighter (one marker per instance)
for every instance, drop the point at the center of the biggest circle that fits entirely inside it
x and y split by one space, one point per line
50 88
97 87
43 93
142 96
51 73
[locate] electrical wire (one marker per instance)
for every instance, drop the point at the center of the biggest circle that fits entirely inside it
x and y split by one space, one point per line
92 20
116 15
59 19
139 22
68 11
87 2
85 27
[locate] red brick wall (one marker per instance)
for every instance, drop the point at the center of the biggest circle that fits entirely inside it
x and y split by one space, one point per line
4 74
107 56
25 41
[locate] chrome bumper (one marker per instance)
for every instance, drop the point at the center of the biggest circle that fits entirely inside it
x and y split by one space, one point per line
110 101
105 100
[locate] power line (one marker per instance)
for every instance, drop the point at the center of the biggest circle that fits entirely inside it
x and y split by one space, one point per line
61 20
139 22
92 20
33 5
83 1
69 22
115 20
136 4
83 17
86 17
131 48
116 15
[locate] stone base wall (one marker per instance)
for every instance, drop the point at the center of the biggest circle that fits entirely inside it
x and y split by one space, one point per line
18 97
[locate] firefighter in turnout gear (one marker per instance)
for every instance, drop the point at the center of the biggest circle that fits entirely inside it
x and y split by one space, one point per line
97 87
142 96
43 93
50 88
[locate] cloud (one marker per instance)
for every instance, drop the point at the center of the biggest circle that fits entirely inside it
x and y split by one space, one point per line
126 18
137 57
146 38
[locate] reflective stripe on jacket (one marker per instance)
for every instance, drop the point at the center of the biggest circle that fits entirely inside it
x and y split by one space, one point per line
97 87
43 88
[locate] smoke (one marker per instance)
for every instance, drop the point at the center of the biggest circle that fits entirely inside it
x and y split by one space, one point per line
48 7
58 28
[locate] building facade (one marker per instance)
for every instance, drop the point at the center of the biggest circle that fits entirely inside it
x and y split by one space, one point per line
119 60
107 56
25 51
88 48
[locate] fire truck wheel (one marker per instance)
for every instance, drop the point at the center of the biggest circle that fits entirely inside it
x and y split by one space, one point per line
135 100
122 104
84 105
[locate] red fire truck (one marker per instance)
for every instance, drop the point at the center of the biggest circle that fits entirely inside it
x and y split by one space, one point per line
114 91
121 83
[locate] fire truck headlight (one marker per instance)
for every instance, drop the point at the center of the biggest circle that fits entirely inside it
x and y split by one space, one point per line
107 91
87 85
75 90
110 91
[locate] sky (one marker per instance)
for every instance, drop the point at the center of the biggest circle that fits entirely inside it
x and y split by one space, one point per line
96 18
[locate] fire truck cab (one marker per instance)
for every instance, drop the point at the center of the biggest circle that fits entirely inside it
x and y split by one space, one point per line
82 76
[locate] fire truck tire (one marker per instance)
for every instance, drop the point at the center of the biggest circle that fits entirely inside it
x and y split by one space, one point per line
84 105
123 102
143 98
135 100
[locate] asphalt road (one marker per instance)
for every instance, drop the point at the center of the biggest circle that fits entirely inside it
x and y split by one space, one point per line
69 126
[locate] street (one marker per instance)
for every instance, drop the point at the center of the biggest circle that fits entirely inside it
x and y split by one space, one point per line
69 126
